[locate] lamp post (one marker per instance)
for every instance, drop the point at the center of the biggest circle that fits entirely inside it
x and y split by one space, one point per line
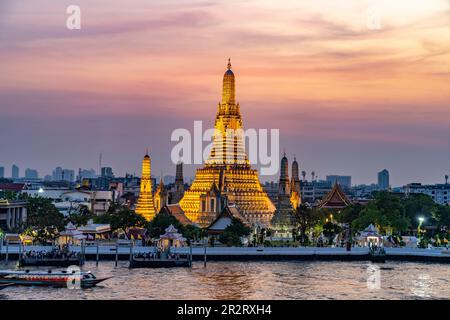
421 220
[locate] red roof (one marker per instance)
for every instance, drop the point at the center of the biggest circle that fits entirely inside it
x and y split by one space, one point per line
12 186
336 199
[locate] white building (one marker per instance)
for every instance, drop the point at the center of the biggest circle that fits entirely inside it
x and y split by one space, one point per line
440 193
12 214
67 201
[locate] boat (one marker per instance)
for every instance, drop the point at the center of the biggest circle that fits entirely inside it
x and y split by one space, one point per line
57 257
377 254
49 278
50 262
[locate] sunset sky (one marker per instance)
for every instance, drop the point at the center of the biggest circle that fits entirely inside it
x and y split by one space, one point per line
347 99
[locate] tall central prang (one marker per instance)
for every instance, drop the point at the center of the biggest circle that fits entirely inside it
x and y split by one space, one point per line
227 177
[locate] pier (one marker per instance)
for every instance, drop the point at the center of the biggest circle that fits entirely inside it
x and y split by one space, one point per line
114 252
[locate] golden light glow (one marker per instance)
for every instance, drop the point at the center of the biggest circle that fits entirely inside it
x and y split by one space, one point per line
241 184
145 205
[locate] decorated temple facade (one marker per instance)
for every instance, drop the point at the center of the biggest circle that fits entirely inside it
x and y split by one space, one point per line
288 199
227 177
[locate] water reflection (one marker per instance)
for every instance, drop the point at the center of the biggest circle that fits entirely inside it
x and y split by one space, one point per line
255 280
422 286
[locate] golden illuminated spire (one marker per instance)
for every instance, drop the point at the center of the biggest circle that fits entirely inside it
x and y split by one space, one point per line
229 168
228 88
145 205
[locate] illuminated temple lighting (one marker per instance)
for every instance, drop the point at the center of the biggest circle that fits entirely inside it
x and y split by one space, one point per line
145 205
227 169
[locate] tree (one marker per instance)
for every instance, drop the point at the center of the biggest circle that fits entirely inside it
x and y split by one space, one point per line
350 213
232 234
387 211
44 222
160 222
304 217
330 230
121 218
420 205
81 216
443 217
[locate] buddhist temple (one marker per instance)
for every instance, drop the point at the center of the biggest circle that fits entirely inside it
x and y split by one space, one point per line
178 189
145 205
227 177
287 201
161 196
335 199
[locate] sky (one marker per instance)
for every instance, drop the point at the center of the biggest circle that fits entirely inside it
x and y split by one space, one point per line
348 98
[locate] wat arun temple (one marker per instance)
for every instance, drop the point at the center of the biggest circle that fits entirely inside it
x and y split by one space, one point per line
227 178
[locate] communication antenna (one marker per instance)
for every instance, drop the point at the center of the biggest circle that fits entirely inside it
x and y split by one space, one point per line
100 164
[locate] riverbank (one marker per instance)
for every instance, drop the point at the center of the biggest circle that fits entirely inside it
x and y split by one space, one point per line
255 280
113 252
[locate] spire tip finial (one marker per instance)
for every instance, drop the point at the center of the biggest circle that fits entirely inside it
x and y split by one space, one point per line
229 64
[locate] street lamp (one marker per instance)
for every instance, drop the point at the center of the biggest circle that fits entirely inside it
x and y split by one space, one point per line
421 220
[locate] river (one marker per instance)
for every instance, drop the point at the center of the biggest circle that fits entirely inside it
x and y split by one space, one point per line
257 280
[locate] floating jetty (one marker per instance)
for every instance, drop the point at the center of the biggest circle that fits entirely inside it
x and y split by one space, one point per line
114 252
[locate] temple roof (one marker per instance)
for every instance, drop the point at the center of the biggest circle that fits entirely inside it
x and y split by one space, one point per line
335 199
176 211
230 211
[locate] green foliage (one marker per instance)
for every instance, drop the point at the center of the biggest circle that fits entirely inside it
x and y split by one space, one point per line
232 234
305 217
81 216
420 205
121 217
10 195
442 217
350 213
44 222
330 230
162 220
386 211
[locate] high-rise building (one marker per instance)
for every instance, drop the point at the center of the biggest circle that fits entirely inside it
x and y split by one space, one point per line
31 174
107 172
383 179
60 174
227 176
145 205
2 172
86 174
344 181
14 172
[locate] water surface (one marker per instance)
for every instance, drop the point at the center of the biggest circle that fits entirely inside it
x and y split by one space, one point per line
256 280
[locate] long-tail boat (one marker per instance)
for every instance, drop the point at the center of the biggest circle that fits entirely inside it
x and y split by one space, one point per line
49 278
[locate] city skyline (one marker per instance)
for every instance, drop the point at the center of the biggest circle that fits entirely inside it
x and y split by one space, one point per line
347 100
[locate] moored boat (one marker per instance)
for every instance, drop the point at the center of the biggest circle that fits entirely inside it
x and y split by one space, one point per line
50 262
377 255
49 278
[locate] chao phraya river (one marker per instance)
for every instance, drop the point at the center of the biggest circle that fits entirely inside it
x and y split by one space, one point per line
257 280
